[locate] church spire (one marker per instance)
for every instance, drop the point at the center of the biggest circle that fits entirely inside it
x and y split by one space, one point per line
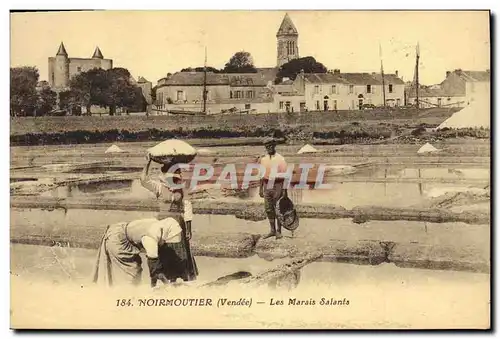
287 27
97 54
62 50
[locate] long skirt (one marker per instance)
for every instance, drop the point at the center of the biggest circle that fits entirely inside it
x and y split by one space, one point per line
177 259
118 260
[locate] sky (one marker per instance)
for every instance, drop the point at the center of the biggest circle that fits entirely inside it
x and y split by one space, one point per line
154 43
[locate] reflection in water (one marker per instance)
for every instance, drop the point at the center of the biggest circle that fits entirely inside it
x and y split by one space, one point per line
347 194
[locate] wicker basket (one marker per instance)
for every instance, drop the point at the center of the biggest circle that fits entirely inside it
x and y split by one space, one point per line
173 159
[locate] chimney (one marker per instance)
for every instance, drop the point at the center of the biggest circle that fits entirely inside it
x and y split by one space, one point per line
336 71
397 75
448 73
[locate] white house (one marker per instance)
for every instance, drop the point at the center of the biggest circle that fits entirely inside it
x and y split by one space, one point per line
458 89
348 91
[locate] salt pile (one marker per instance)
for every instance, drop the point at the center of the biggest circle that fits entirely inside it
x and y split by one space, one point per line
307 149
427 148
114 149
476 115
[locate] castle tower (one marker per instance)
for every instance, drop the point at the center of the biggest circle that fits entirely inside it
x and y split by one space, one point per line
61 69
287 36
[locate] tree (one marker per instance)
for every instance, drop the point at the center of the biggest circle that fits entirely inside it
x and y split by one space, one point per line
240 62
23 94
105 88
120 91
201 69
80 90
47 100
68 103
295 66
153 93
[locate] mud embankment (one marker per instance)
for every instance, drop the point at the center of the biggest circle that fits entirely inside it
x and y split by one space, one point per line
472 258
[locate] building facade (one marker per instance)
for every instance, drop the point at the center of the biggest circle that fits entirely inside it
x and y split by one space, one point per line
458 89
62 68
224 91
334 91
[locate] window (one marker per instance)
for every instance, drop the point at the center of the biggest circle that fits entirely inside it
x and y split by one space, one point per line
316 89
230 94
335 104
351 89
398 102
180 95
281 105
333 89
247 106
78 69
317 105
368 88
53 78
390 88
439 102
250 94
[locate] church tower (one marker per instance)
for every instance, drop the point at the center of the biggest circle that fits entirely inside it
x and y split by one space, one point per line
287 36
61 68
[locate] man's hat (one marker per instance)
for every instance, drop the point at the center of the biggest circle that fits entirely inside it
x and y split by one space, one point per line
270 141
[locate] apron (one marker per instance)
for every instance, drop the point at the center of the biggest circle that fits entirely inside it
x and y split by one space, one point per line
177 259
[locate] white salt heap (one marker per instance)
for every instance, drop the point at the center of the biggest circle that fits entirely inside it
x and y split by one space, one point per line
114 149
427 148
476 115
307 149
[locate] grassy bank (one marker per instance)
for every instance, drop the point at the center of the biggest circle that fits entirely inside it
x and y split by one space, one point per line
338 128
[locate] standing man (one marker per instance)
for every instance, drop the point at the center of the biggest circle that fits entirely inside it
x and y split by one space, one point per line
272 184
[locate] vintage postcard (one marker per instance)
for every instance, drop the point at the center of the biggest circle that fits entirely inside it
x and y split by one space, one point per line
250 169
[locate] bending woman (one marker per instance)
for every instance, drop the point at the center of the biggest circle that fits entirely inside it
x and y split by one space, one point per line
118 259
177 257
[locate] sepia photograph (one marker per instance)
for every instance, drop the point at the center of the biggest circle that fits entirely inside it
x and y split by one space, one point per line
250 169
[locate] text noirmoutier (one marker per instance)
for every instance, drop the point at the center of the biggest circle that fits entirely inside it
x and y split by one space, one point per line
226 302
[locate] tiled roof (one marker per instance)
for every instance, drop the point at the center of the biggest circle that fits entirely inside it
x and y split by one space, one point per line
389 79
195 79
287 27
352 78
476 76
246 79
361 79
259 79
321 78
426 92
142 80
284 88
269 73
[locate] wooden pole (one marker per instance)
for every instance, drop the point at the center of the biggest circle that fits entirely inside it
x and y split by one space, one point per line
416 75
